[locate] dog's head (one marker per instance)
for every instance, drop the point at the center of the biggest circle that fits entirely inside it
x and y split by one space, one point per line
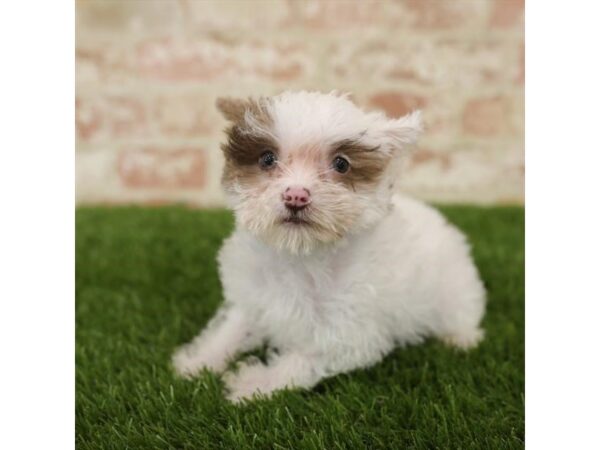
303 169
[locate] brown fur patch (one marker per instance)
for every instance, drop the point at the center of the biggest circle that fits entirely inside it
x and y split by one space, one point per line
233 109
367 164
244 148
244 145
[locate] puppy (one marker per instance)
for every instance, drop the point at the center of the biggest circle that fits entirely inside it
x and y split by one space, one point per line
327 265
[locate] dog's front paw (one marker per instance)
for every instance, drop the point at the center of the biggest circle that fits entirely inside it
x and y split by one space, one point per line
188 362
250 380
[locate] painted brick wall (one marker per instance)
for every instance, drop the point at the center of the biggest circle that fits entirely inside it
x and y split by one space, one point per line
148 73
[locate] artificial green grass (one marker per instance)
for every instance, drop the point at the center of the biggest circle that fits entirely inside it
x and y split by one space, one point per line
146 282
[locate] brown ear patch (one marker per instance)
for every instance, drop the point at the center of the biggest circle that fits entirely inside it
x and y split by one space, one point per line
367 164
233 109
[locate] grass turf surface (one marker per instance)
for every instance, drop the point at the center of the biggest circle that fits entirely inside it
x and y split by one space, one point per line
146 282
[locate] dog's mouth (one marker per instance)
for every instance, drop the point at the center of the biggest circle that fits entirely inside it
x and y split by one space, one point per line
296 220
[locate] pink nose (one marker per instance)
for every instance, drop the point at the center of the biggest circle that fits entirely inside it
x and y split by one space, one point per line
296 198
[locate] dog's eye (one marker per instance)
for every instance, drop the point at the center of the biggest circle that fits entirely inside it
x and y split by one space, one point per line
340 164
267 160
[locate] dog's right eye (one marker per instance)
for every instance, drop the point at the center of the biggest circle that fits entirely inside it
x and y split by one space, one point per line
267 160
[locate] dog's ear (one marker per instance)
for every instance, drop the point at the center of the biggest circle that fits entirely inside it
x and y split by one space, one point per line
404 131
233 109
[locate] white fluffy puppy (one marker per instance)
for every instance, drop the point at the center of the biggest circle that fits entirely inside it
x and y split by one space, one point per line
327 265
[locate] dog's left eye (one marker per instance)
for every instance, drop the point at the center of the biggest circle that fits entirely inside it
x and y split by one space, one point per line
267 160
340 164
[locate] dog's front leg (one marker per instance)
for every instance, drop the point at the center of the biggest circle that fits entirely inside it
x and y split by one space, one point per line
227 334
301 370
283 371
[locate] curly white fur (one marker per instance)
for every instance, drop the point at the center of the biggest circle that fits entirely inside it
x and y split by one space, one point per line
377 270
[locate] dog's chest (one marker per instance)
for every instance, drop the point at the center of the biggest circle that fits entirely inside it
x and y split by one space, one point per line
299 296
308 281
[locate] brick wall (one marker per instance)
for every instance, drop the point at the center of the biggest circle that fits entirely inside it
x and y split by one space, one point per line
148 73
